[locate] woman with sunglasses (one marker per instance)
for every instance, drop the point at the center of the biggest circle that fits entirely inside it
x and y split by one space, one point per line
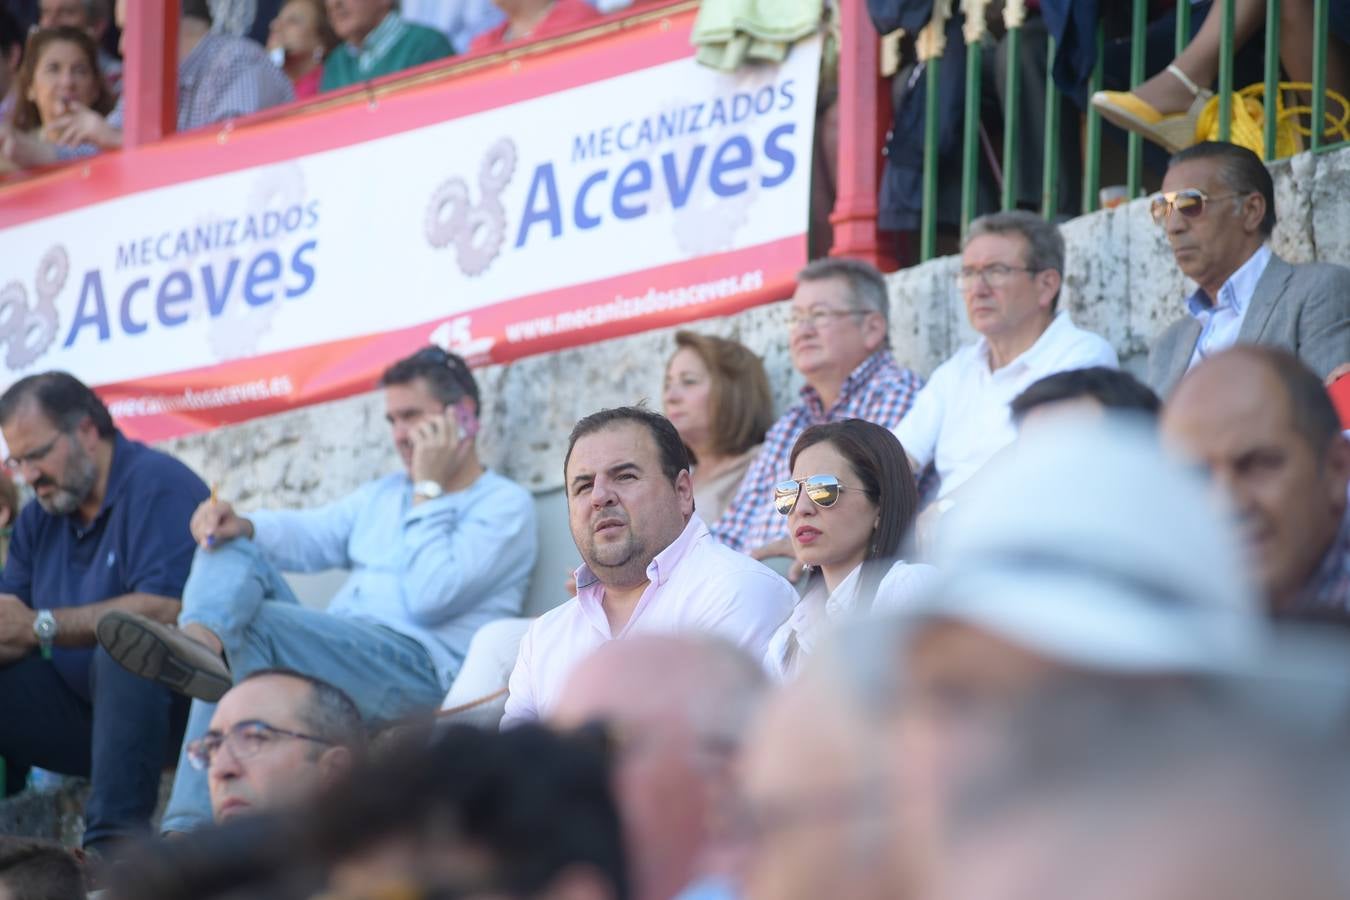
850 502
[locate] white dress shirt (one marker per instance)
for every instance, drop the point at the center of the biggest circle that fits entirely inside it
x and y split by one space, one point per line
697 585
961 418
816 614
1221 320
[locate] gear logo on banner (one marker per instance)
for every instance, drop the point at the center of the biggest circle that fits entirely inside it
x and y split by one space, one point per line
27 332
477 231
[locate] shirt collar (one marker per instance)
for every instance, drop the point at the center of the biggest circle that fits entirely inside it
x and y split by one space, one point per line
857 379
1237 291
659 570
1043 344
380 40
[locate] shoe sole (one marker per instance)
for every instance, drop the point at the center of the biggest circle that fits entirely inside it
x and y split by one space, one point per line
142 652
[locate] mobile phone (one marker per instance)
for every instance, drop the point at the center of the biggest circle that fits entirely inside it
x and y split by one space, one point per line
1340 397
467 421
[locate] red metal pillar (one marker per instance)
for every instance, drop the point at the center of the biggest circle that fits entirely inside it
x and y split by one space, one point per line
864 116
150 71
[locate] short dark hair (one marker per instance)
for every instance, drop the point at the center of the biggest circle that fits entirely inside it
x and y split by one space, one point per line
63 399
39 870
1114 389
674 455
11 33
330 713
196 9
740 403
446 374
876 454
535 802
1310 407
1241 169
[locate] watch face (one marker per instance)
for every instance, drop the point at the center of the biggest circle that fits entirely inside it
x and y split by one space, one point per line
45 625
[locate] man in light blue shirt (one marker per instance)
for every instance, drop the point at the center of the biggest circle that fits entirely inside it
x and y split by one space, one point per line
435 552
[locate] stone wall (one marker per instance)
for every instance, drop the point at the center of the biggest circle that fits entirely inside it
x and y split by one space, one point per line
1121 282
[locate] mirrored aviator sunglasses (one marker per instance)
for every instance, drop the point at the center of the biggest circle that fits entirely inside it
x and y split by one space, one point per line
822 489
1189 202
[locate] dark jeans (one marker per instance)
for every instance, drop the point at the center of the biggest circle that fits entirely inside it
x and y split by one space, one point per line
120 733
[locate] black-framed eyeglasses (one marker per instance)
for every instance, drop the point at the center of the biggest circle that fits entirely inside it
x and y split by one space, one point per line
824 491
33 457
995 275
246 739
1190 202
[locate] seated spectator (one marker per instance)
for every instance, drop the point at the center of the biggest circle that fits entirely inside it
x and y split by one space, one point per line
376 41
108 531
1083 555
849 504
1218 210
284 736
533 19
219 77
1262 424
837 325
9 511
677 708
60 75
1094 391
302 33
716 394
11 58
33 869
461 21
649 565
93 18
1012 268
435 551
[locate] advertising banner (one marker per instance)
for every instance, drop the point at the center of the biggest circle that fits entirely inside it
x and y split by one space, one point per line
530 204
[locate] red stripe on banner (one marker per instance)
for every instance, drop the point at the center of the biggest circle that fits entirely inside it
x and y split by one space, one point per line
230 148
167 406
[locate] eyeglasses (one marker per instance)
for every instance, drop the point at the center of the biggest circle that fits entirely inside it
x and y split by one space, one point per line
822 489
819 318
1190 202
246 739
34 457
994 276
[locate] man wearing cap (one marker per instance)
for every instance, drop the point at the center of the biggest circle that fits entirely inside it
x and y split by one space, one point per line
435 551
1218 210
1012 267
1264 427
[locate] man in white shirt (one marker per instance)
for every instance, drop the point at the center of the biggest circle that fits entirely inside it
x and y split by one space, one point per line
649 563
1012 267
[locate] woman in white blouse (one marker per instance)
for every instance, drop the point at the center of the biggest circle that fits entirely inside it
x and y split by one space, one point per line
851 500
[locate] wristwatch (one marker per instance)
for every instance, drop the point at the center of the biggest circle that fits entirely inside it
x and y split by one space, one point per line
428 489
44 626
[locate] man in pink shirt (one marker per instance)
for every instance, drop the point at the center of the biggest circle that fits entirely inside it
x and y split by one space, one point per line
649 563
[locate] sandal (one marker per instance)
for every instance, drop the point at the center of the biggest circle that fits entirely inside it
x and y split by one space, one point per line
1173 132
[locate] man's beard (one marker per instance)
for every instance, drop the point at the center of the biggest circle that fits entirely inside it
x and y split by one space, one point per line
77 480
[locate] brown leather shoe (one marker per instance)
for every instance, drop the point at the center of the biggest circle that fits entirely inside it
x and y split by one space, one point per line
162 653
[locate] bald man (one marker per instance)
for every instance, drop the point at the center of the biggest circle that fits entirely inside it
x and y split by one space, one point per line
677 707
1262 424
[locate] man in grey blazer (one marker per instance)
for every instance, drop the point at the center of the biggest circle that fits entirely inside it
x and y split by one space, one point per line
1218 209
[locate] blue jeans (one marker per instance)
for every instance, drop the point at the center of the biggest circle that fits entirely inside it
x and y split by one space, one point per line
119 730
243 600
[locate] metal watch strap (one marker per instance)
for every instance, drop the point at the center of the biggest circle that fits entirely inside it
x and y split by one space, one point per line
44 626
428 489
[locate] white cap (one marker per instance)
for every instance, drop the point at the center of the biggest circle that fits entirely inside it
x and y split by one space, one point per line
1086 544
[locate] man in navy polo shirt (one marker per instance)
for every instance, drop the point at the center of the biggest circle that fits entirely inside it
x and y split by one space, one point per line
109 531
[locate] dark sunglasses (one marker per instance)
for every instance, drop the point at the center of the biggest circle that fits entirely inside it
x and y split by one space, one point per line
1189 202
822 489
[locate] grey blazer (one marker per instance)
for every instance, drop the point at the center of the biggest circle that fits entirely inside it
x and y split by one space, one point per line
1304 309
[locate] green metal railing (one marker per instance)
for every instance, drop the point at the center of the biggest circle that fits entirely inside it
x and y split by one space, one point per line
977 42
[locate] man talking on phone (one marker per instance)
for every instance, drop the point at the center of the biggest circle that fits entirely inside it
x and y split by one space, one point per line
434 551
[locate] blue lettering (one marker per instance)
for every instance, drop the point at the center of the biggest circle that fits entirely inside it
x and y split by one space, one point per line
607 141
666 125
264 269
543 179
579 215
303 268
679 193
176 289
98 315
625 145
741 107
312 214
625 187
776 152
719 113
583 150
735 154
130 325
766 94
126 255
786 95
215 300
